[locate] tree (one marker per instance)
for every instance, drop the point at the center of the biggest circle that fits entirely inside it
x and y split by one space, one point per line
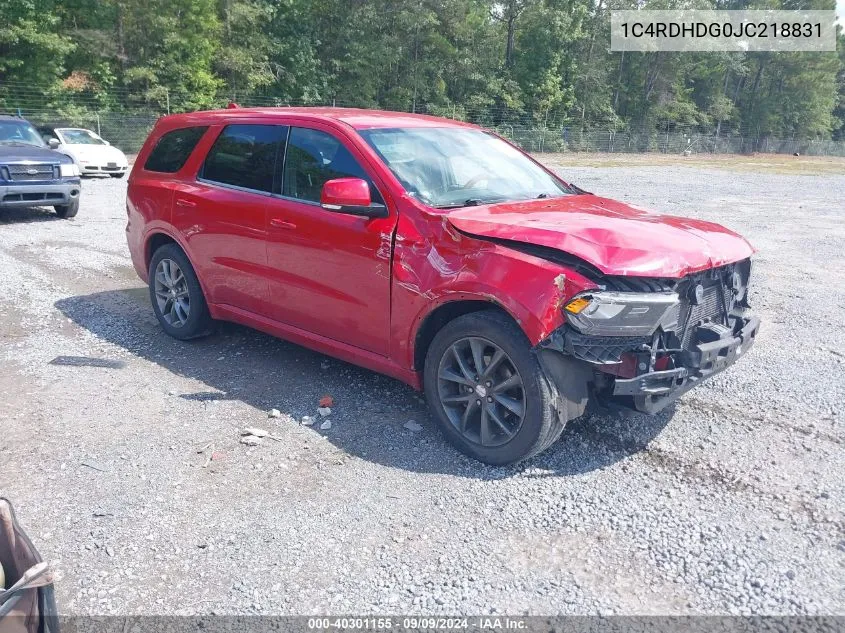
488 61
243 59
32 47
508 12
721 109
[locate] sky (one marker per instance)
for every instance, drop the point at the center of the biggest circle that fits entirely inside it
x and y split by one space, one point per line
840 11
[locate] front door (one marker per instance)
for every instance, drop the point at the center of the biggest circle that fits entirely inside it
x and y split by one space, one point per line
330 272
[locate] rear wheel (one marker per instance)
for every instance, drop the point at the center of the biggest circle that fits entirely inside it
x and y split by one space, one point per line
67 210
488 391
176 294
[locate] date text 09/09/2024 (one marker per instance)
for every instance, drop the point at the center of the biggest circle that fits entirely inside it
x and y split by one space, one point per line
419 623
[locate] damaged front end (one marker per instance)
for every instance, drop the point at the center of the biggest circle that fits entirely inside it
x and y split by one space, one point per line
649 340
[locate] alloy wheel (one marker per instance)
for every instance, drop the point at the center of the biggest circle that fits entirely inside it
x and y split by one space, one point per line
171 292
481 391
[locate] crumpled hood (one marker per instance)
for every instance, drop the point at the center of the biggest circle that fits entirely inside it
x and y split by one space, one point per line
615 237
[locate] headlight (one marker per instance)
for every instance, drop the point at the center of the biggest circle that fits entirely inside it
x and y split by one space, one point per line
622 313
68 170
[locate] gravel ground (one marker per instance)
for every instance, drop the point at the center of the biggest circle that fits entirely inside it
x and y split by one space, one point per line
730 502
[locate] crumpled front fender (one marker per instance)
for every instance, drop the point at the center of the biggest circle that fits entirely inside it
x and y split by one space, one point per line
434 264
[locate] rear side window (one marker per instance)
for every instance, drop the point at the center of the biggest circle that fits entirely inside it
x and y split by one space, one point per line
312 158
245 156
173 149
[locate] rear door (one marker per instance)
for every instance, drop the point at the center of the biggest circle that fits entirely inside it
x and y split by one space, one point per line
330 272
222 214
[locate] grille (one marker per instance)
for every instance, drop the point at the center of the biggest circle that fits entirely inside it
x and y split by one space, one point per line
32 197
602 349
711 308
638 284
31 172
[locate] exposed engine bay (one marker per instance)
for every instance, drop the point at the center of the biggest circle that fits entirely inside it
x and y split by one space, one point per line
651 339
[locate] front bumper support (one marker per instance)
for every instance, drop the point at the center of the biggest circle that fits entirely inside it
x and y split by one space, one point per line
654 390
39 194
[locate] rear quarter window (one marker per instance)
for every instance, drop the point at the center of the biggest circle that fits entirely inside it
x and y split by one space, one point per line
173 149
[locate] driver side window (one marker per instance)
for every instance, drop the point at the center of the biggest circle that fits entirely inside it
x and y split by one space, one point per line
314 157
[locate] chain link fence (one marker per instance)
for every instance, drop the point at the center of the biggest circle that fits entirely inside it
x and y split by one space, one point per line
127 128
689 140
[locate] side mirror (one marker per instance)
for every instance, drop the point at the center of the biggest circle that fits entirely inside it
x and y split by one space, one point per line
352 196
106 142
53 143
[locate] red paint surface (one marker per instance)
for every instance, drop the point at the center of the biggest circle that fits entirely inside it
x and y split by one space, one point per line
615 237
346 191
360 288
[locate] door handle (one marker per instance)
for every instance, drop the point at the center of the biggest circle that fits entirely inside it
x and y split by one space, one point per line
281 224
181 202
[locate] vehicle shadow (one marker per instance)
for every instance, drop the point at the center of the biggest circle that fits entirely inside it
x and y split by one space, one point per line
370 412
24 215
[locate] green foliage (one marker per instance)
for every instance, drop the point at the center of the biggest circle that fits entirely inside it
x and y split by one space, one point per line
537 69
32 45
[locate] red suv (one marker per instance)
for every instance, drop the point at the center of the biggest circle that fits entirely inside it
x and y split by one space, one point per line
437 253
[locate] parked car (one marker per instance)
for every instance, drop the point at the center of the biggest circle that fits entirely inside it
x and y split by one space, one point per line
437 253
32 173
94 155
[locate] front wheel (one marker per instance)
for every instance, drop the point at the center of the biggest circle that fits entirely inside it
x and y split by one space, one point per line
68 210
488 391
176 294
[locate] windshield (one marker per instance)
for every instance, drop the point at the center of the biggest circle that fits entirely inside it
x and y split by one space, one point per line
457 167
19 133
80 137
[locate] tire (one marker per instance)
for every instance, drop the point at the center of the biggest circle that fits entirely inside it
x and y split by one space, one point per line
540 424
69 210
175 319
118 175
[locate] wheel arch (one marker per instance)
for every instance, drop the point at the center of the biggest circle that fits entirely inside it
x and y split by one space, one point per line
158 238
433 321
155 240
